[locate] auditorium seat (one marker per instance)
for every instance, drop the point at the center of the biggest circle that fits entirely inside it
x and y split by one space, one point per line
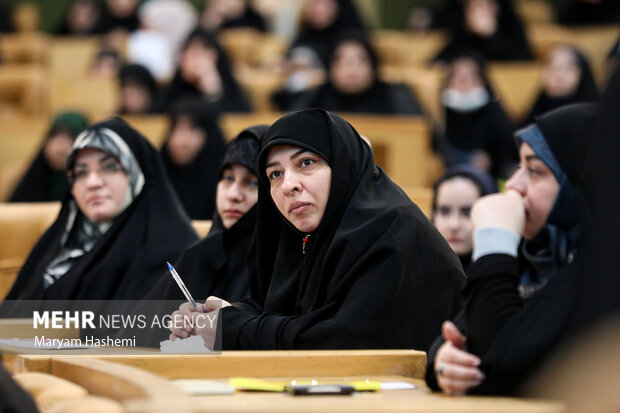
24 89
21 225
396 47
248 46
202 227
25 48
422 197
94 96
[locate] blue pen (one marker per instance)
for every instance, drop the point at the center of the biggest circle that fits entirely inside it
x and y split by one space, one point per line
181 285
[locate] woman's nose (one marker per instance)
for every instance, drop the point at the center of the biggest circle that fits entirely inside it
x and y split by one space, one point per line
94 179
290 182
517 182
234 192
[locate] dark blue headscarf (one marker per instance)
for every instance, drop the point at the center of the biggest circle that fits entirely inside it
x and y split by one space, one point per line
550 136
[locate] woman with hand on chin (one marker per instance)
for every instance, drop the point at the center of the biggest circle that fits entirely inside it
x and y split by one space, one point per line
343 258
536 223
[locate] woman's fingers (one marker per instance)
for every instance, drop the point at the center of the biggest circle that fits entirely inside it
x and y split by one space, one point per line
456 370
181 323
452 334
455 355
456 387
461 373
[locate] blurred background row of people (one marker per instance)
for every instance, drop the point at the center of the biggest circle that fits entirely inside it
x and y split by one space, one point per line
159 54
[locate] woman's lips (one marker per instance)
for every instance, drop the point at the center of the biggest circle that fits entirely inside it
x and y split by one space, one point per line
298 208
233 213
96 199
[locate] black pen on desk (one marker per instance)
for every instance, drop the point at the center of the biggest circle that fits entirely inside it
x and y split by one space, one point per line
181 285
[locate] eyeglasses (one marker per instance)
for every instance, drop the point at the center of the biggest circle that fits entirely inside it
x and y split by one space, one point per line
105 171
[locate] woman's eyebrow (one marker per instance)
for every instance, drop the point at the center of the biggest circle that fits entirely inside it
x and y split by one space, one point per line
529 158
107 158
270 164
296 154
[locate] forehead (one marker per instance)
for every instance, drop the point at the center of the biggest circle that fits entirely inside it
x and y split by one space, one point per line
90 155
237 168
281 151
526 150
563 54
458 189
350 46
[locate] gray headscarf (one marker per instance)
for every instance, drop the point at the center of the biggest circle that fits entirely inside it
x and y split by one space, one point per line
81 234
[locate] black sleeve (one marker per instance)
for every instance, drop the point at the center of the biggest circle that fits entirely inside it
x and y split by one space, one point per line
491 299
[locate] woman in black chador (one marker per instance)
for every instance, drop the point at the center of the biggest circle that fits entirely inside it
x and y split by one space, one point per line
343 258
322 21
567 79
491 27
353 83
475 128
116 228
217 264
46 179
204 72
193 153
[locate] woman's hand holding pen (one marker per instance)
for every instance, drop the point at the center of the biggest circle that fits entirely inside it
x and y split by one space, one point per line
201 320
181 324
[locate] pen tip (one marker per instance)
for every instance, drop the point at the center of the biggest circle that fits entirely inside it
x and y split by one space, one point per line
169 266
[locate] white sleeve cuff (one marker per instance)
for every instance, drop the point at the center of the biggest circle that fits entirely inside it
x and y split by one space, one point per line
495 241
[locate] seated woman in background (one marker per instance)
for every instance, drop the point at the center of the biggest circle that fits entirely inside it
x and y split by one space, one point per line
80 19
322 21
344 258
491 27
138 90
227 14
46 179
549 240
353 83
567 78
475 129
192 154
453 196
204 72
117 227
119 16
217 265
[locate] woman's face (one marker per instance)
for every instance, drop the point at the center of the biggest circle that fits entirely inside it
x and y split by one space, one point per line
56 150
351 69
562 73
185 141
451 216
82 16
237 193
136 98
464 76
299 184
196 59
100 184
538 187
320 14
